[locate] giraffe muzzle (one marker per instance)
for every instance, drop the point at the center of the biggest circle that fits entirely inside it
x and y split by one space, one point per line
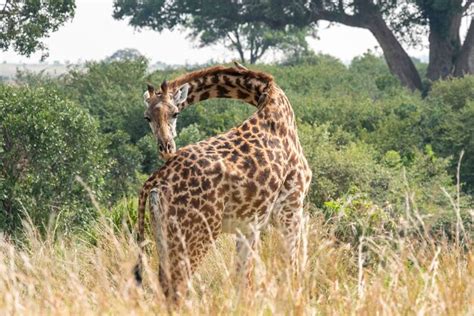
167 149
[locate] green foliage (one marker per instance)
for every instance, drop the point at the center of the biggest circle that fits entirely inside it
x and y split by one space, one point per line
422 179
375 148
123 213
125 54
340 166
46 142
369 65
189 135
345 167
125 161
148 149
24 24
356 217
447 225
216 116
456 93
112 91
449 124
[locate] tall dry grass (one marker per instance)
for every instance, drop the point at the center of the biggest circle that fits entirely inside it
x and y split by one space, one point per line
383 275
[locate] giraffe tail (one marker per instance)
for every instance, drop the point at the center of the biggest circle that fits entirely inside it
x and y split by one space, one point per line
137 270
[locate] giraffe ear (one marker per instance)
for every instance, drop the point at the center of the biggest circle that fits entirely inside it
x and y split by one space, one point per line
150 89
146 96
148 93
181 94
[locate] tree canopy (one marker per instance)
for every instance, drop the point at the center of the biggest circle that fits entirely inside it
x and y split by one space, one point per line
45 142
250 40
125 54
24 24
392 23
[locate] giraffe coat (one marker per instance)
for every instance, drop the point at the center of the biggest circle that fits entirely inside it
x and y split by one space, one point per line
254 173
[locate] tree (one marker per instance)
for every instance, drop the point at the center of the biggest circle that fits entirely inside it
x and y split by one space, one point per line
23 24
449 122
125 54
391 23
112 92
250 40
45 143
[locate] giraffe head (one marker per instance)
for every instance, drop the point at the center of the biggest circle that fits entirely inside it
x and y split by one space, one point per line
162 110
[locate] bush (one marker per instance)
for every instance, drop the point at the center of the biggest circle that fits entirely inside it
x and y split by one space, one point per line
365 137
125 160
341 166
344 167
46 142
449 124
112 91
353 217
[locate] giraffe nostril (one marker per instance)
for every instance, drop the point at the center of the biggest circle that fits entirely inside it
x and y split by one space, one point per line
161 147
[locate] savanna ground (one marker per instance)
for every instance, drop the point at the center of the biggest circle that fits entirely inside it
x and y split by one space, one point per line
389 216
383 275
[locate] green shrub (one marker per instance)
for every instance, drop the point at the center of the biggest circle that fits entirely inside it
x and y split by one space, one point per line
47 141
149 151
341 166
113 93
353 217
125 159
449 124
366 138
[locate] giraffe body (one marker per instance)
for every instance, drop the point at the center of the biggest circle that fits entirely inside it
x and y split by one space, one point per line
235 182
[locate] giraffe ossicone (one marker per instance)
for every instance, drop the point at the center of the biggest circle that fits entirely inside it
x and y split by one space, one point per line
234 182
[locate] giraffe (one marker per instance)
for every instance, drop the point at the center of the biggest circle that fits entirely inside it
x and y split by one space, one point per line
235 182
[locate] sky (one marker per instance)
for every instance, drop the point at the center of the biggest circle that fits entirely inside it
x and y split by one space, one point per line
93 35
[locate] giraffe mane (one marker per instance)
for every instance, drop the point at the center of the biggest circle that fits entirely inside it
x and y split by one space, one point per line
222 70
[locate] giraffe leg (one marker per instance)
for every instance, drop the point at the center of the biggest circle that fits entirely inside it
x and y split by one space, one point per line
157 210
180 246
290 223
186 251
246 245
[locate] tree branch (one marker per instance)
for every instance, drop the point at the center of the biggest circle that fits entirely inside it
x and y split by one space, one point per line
467 5
5 10
252 49
263 49
233 41
356 20
237 44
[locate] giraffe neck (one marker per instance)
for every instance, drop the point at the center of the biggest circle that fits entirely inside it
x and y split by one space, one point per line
258 89
221 82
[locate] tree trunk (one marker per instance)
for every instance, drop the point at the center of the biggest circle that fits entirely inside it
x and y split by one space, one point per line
445 44
399 63
237 44
253 60
369 17
465 60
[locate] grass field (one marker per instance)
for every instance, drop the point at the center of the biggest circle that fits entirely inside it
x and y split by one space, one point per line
389 230
383 275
